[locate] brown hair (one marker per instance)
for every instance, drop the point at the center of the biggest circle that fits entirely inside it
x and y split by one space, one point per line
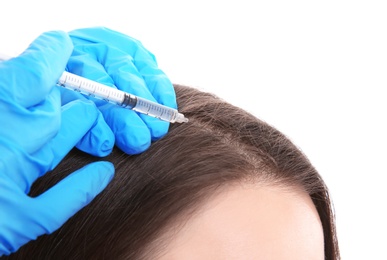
220 144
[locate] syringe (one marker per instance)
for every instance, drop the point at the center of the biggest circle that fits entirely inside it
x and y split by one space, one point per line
97 90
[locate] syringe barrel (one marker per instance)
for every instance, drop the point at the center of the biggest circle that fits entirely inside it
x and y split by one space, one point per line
115 96
121 98
156 110
91 88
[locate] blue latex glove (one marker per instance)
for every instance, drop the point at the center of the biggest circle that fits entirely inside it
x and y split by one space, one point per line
35 134
119 61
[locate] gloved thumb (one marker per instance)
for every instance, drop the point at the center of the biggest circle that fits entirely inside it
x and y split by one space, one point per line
26 218
71 194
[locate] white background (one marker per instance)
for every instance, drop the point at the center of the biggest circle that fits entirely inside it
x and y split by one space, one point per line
316 70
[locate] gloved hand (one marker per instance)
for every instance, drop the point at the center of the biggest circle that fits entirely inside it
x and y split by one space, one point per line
122 62
35 134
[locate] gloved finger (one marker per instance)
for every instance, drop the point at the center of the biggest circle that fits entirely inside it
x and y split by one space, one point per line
67 96
46 115
26 218
78 117
155 79
105 35
132 67
120 69
131 133
127 78
13 217
52 209
144 64
99 140
79 120
46 58
83 63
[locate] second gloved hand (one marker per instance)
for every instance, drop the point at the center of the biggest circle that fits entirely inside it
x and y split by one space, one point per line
35 134
119 61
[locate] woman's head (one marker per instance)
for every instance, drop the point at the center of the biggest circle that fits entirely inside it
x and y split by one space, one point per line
195 188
